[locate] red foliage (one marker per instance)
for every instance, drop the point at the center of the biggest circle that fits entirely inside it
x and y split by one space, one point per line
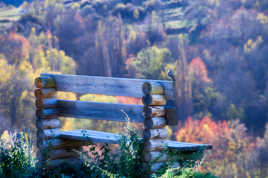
20 43
199 69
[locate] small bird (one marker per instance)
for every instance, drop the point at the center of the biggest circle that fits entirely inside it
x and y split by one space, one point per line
171 74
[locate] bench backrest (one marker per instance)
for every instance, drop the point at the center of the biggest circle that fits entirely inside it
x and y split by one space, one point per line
162 91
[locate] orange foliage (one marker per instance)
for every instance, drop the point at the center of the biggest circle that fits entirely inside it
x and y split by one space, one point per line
129 60
199 69
128 100
202 131
231 145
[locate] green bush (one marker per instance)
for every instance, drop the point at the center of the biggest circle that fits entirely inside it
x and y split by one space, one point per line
16 158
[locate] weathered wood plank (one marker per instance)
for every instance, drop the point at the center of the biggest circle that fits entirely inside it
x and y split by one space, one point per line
45 93
46 103
100 111
47 113
50 133
155 145
106 85
45 82
158 111
158 100
155 123
79 136
91 135
183 146
160 133
49 124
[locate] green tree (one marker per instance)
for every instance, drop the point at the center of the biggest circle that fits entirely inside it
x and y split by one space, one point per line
150 62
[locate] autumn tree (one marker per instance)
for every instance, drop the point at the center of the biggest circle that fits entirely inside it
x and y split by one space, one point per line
232 146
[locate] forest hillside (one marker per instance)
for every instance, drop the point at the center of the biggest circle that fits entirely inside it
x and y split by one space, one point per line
218 48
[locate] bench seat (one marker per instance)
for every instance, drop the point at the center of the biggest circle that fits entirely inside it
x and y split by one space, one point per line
104 137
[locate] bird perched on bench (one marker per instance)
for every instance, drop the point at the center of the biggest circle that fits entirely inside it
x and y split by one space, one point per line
171 75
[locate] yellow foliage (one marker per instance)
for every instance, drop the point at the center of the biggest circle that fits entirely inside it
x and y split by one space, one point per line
98 98
262 18
22 98
40 61
252 45
68 124
24 68
5 136
169 131
66 95
6 71
132 35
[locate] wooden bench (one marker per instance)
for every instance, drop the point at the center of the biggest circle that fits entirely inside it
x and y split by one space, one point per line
158 110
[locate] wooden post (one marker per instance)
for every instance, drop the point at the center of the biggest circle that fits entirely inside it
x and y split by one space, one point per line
155 133
51 151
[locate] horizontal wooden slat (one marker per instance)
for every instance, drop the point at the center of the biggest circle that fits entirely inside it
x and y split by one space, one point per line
49 124
50 133
155 145
46 113
57 143
45 82
46 103
100 111
105 137
158 100
41 93
91 135
105 85
184 146
158 111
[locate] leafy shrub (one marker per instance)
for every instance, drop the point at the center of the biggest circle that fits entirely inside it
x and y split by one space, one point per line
16 158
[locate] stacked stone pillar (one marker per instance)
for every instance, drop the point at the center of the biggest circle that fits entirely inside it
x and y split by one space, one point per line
155 132
52 151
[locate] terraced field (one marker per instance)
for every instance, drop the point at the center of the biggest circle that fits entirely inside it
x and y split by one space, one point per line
171 14
9 15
